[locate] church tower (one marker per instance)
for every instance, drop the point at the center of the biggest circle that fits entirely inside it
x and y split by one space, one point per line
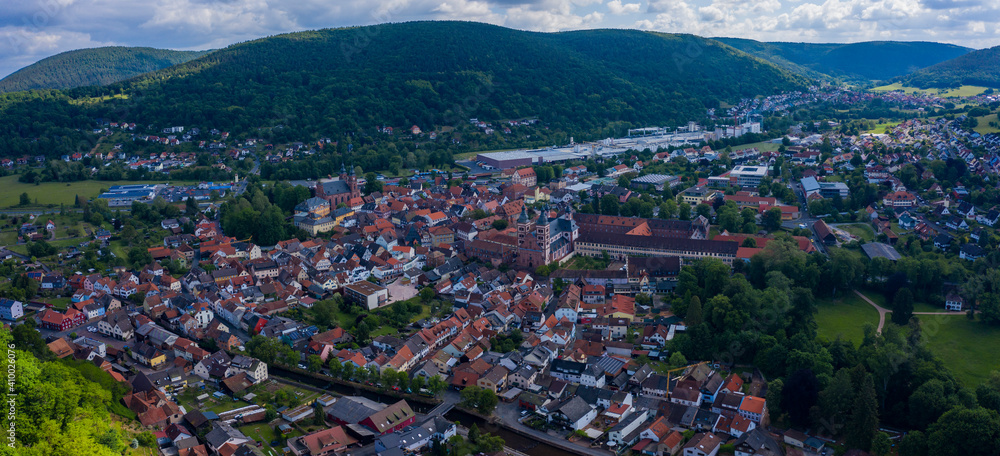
542 234
523 226
352 182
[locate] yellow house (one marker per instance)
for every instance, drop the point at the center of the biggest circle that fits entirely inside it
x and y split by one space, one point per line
697 195
534 195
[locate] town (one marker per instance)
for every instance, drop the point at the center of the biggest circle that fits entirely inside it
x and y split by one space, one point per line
611 297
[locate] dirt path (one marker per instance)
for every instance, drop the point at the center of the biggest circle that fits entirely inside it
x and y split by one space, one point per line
882 311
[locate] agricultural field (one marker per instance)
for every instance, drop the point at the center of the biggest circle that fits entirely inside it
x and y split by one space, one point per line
52 194
963 91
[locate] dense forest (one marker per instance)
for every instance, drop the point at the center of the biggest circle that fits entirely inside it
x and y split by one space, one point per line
65 406
97 66
981 68
346 82
864 62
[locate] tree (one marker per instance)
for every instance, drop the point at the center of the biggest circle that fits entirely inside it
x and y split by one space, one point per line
609 205
914 443
684 211
775 390
693 316
799 394
25 199
427 293
436 385
703 210
989 308
677 359
324 313
881 446
314 363
772 219
902 306
863 424
481 399
191 207
499 224
977 429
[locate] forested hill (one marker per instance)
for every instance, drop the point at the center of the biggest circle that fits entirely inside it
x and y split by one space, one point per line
868 61
97 66
440 73
980 68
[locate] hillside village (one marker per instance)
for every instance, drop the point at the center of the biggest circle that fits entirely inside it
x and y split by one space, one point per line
545 289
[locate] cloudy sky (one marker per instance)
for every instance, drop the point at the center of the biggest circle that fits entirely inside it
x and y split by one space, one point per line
34 29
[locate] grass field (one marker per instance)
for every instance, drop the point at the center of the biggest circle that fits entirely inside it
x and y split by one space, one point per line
963 91
56 193
845 316
863 231
966 347
763 146
883 127
984 127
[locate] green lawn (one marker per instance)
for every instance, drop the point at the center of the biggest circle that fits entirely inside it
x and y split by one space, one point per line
883 127
865 232
845 316
984 127
966 347
924 307
585 262
963 91
264 433
763 146
56 193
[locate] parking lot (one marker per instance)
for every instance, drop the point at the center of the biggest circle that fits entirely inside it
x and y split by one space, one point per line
400 292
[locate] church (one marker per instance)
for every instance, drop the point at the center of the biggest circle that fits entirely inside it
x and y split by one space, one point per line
544 241
339 191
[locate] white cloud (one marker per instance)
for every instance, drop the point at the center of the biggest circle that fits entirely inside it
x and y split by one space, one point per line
617 8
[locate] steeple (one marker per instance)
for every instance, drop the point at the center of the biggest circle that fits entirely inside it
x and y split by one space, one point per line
544 218
523 218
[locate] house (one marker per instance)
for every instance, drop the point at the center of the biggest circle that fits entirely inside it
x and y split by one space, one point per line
626 427
704 444
753 408
11 310
757 442
954 302
971 252
525 177
322 443
224 435
390 419
55 320
824 233
573 413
